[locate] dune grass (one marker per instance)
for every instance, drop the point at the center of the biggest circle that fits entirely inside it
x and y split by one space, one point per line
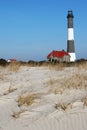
10 90
62 106
57 67
76 81
14 66
17 114
27 99
85 101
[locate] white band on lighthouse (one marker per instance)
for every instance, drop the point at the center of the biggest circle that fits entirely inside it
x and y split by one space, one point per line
72 57
70 34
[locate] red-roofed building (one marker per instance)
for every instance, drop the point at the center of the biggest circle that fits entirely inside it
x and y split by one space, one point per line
12 60
58 56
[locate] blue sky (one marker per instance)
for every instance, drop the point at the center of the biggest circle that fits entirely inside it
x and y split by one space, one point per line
30 29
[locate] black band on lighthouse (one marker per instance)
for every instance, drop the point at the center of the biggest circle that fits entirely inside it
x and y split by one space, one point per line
70 46
70 23
70 19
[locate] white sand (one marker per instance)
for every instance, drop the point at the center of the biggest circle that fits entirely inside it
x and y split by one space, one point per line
43 114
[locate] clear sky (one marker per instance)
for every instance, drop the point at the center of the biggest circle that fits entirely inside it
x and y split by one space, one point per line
30 29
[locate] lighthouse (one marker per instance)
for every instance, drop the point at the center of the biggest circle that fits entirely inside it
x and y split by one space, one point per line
70 41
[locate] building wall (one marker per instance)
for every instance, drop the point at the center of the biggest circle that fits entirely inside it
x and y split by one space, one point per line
66 58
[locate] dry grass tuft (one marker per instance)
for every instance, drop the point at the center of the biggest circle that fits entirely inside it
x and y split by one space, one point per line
1 77
14 66
27 99
85 101
10 90
62 106
52 81
17 114
82 65
58 67
76 81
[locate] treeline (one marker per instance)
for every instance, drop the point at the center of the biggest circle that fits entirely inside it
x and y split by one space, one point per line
4 62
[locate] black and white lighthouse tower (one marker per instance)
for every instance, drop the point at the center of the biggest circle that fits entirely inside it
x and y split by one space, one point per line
70 41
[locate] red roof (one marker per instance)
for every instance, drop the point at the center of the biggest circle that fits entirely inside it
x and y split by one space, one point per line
58 54
12 60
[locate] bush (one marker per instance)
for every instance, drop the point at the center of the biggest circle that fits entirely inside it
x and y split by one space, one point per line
3 62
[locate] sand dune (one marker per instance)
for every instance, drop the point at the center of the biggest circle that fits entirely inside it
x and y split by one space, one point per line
75 121
39 98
